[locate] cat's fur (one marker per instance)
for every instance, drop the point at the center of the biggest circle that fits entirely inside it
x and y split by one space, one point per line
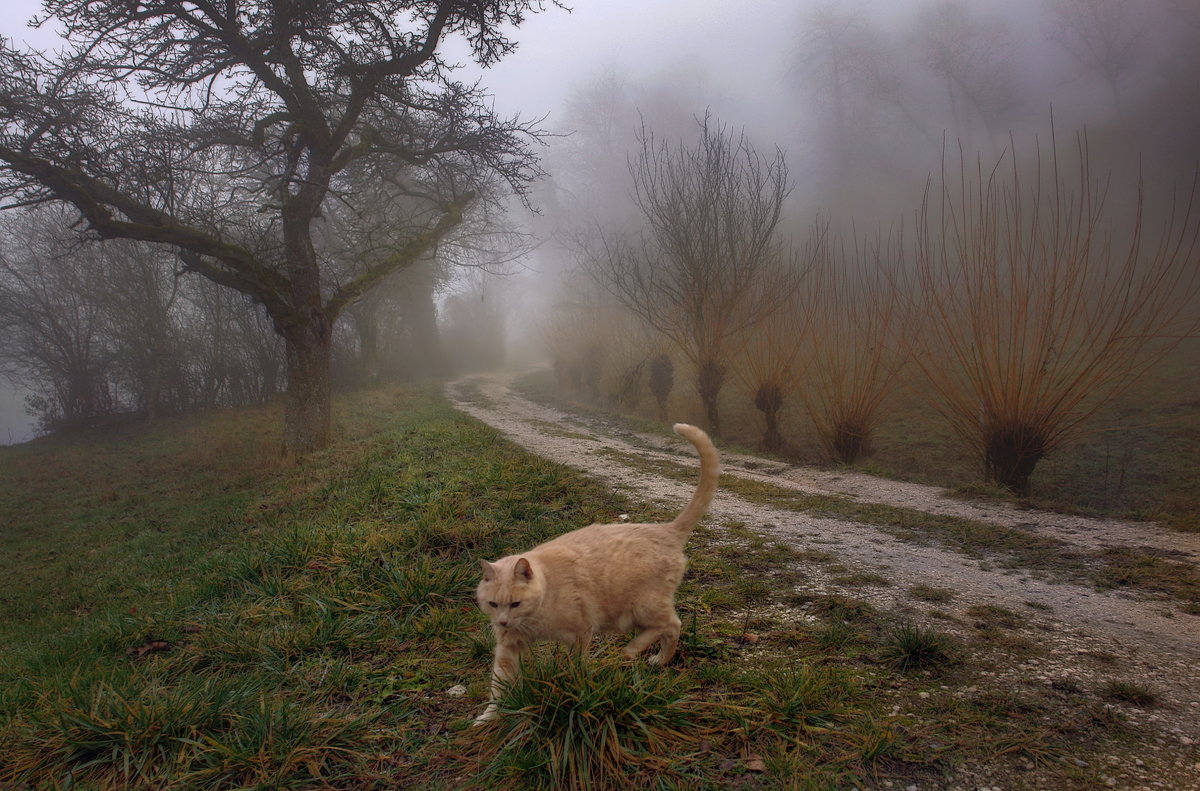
597 579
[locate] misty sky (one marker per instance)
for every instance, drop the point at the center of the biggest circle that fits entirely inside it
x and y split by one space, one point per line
559 48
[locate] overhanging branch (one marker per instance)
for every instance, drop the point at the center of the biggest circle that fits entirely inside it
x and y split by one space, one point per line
404 257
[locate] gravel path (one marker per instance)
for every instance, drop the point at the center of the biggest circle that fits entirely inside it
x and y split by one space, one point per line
1143 641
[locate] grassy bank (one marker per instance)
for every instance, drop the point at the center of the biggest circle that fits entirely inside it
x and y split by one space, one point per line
183 611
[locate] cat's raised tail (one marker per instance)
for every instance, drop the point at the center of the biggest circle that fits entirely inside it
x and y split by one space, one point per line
710 471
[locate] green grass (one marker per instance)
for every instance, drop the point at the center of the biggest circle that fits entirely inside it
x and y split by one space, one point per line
610 723
303 609
185 611
909 646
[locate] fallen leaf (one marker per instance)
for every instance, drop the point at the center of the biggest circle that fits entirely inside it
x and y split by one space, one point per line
149 647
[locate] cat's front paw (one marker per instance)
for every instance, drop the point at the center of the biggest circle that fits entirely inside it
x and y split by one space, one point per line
490 713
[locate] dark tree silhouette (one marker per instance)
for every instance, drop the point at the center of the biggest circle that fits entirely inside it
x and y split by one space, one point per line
222 129
1103 37
710 264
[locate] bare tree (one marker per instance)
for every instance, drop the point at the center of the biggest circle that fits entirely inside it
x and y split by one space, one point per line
601 119
710 263
661 380
770 354
232 351
972 56
54 327
97 329
139 288
854 86
1039 306
475 326
1102 36
765 366
397 325
572 328
221 130
852 356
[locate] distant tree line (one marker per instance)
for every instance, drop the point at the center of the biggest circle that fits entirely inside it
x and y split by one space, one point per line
117 330
98 330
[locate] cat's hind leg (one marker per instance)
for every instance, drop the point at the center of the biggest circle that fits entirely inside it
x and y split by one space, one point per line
668 641
666 633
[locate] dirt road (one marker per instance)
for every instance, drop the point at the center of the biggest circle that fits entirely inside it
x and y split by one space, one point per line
1152 642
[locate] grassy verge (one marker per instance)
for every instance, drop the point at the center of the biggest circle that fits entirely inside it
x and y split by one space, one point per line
1140 457
1007 547
183 612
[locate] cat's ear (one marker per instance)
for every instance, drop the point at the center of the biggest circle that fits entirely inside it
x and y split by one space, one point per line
489 571
523 569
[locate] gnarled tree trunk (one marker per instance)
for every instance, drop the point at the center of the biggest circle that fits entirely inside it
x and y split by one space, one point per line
662 380
307 413
769 400
709 381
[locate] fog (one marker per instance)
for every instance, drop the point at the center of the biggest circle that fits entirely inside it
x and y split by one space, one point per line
864 98
861 98
15 424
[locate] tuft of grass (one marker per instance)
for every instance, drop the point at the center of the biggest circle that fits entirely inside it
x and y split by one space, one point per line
909 646
216 733
931 594
413 587
1123 567
861 579
567 722
804 696
981 490
837 635
1130 692
838 608
872 741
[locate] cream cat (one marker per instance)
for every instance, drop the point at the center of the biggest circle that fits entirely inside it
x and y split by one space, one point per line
598 579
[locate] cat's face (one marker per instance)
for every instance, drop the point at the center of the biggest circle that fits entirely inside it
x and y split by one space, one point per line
509 592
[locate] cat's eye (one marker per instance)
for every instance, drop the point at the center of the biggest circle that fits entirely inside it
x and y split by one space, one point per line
491 604
515 605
